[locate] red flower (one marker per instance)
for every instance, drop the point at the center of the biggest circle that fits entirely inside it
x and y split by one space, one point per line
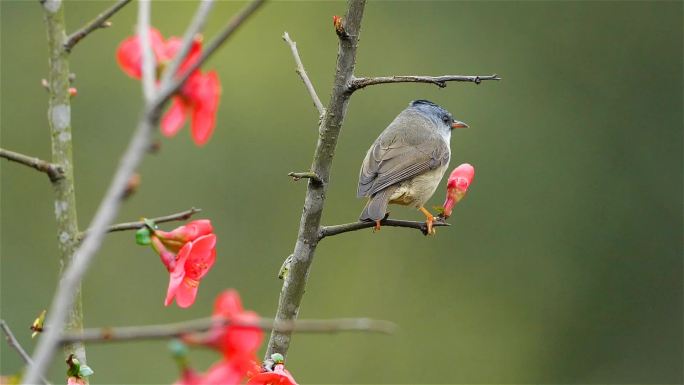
168 244
199 97
457 186
192 263
279 376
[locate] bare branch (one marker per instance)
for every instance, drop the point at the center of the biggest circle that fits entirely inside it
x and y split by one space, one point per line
302 74
307 174
167 90
328 231
101 21
14 344
196 26
181 216
53 171
329 131
162 331
148 59
440 81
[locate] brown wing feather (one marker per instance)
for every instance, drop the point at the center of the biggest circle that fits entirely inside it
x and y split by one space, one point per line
408 147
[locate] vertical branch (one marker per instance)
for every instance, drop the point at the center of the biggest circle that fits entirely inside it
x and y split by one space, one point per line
329 130
59 119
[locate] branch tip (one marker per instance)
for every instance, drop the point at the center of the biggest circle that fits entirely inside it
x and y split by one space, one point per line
308 174
101 21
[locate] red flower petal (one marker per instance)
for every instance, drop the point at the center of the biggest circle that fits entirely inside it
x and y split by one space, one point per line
178 273
228 304
174 119
242 343
186 292
201 258
173 46
206 93
279 376
223 373
129 53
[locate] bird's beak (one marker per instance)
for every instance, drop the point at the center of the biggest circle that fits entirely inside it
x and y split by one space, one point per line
457 124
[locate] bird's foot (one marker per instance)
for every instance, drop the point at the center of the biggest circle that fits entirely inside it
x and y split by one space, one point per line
430 219
377 226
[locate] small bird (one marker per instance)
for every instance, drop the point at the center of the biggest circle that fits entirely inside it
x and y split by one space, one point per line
407 161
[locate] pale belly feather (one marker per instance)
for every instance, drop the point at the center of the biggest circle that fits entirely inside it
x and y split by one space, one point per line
417 191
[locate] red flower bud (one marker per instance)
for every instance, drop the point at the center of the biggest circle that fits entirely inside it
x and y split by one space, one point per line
457 186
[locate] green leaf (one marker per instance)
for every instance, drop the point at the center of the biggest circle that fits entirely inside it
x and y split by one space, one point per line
277 358
85 371
142 236
74 366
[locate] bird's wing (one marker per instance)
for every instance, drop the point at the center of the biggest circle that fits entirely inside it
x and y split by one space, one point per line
393 160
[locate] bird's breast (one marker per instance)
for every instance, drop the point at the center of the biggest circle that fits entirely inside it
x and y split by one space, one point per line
419 189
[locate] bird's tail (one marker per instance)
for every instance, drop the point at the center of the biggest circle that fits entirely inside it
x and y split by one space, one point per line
376 208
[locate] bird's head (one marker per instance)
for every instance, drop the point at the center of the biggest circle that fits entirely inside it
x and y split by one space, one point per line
441 117
457 186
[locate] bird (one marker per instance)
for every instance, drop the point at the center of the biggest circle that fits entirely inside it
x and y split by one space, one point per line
407 161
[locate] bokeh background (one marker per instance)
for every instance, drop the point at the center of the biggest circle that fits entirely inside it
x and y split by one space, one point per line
563 264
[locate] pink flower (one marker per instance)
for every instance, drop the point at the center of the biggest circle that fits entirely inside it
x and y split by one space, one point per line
192 263
198 98
239 344
76 381
457 186
279 376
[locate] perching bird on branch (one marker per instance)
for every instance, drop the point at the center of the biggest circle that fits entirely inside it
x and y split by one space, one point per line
407 161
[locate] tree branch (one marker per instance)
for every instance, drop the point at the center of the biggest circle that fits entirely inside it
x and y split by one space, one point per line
162 331
440 81
101 21
329 130
171 87
307 174
181 216
53 171
14 344
59 121
148 59
109 207
302 74
328 231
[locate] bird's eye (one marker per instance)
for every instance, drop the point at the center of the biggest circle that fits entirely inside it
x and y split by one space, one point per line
445 119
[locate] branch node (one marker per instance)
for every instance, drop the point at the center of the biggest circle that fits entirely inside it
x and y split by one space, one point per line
307 174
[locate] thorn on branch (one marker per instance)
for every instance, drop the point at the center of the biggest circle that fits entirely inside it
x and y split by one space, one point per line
308 174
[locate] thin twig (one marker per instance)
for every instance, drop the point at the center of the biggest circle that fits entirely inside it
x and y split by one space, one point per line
167 90
101 21
181 216
53 171
307 174
440 81
14 344
148 59
328 231
302 74
149 332
196 26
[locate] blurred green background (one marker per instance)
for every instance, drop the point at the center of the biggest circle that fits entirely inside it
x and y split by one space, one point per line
563 264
